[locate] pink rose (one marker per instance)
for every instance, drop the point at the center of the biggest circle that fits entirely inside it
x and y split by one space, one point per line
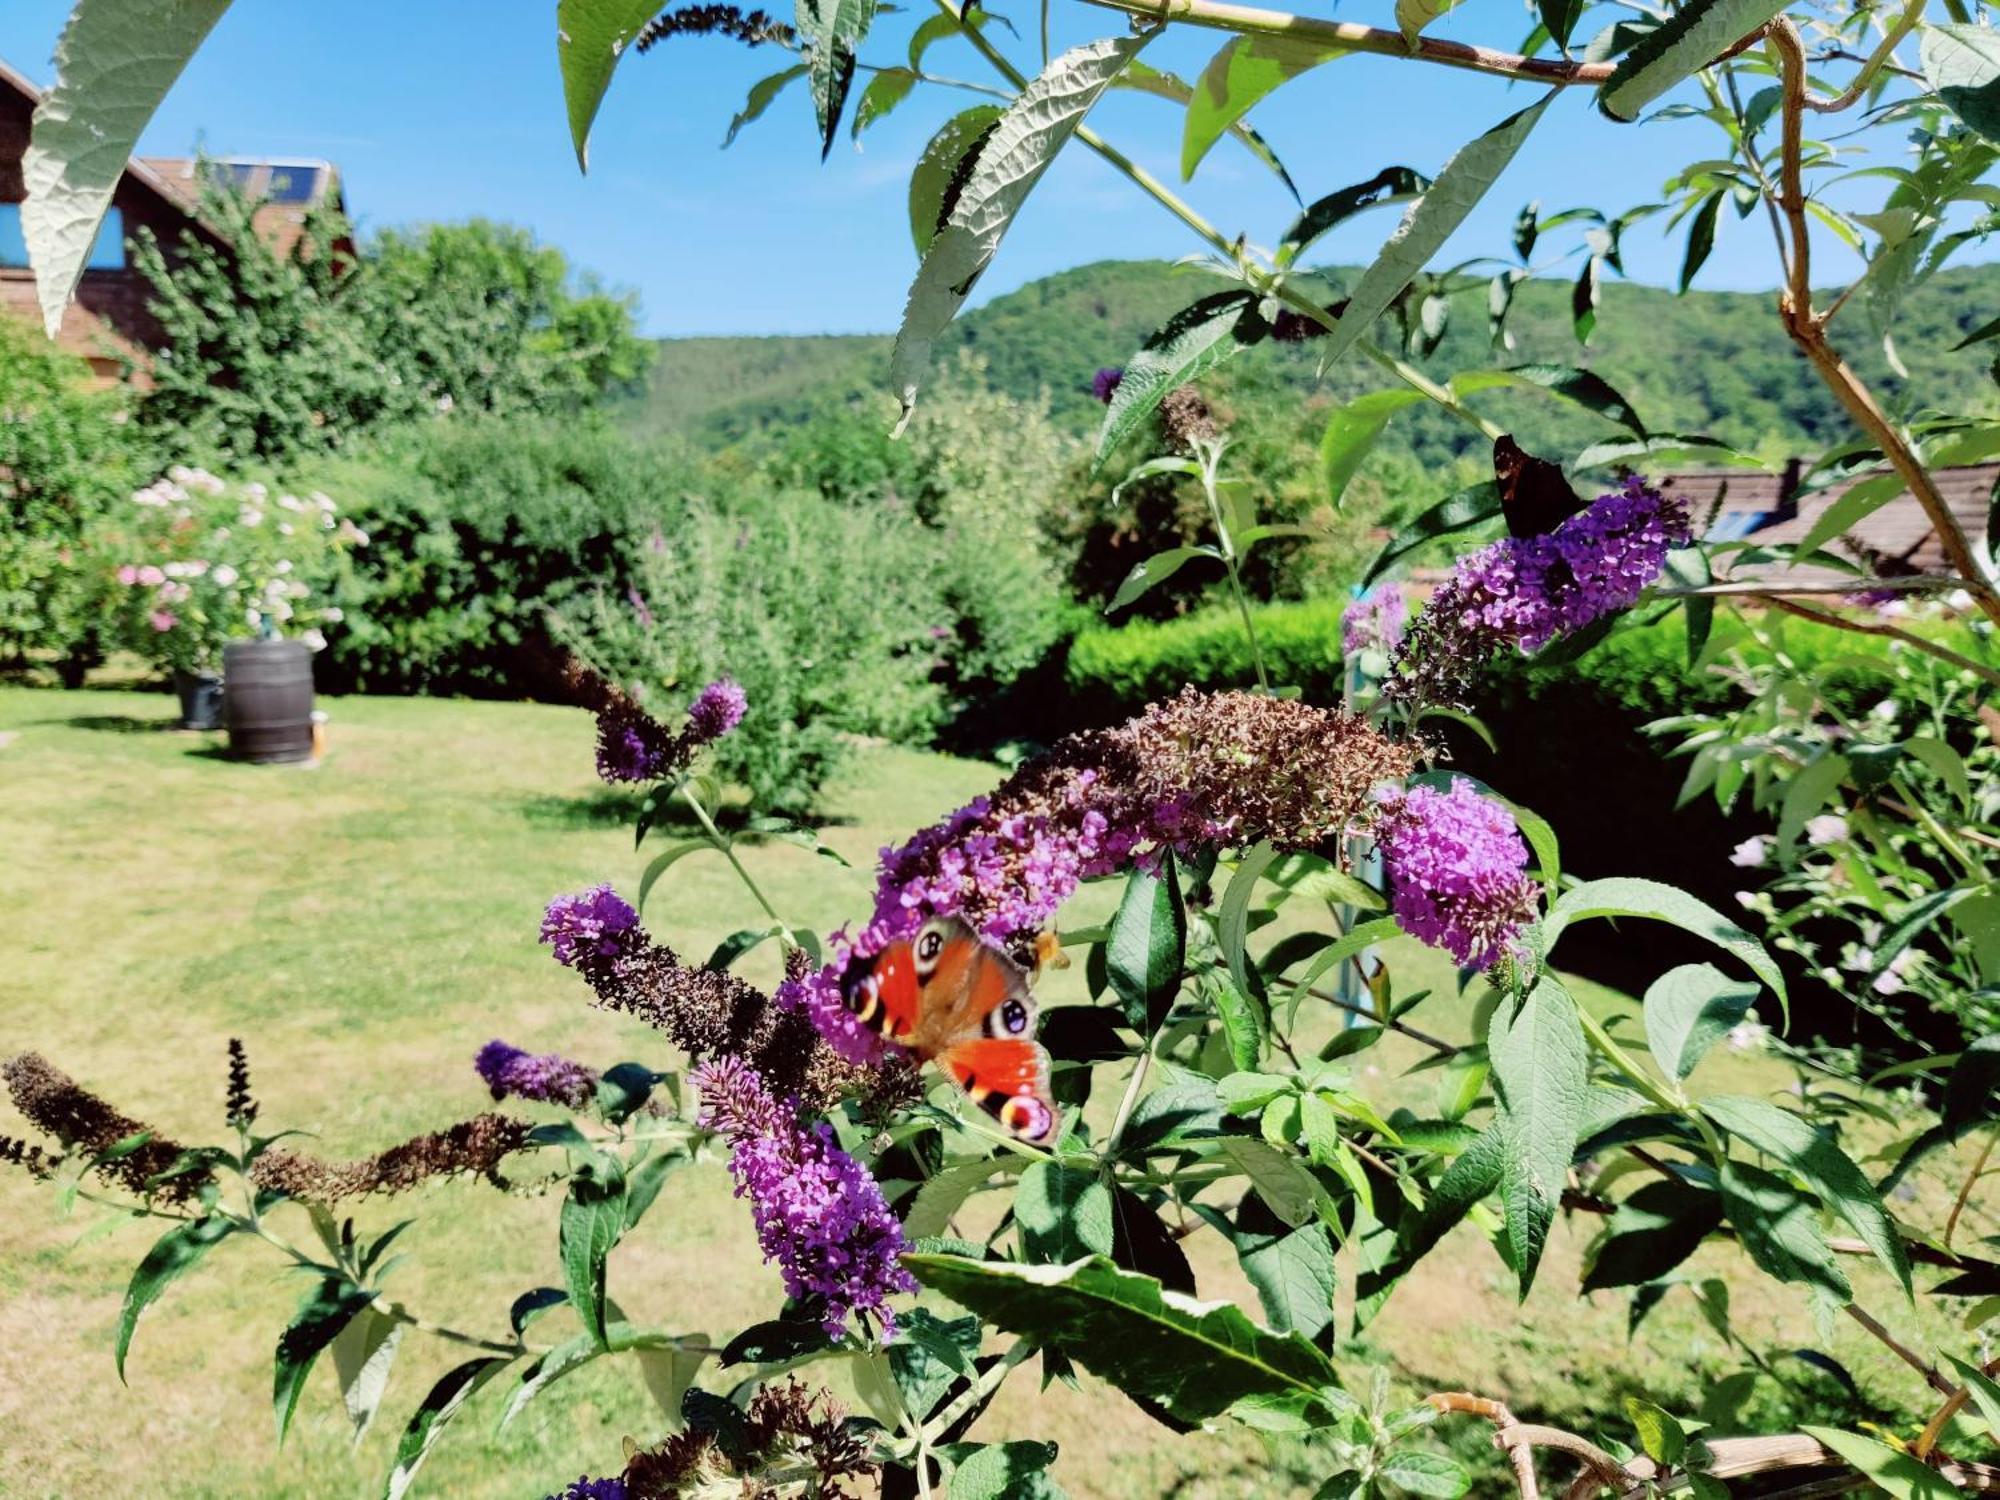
163 620
128 575
151 576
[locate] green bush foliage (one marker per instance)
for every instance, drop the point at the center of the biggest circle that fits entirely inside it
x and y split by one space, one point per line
276 353
67 458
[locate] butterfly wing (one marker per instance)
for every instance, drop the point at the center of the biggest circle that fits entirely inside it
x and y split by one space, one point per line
883 994
1534 497
1008 1077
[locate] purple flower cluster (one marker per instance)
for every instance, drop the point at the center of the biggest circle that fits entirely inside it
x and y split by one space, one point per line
717 709
594 923
1375 620
1529 590
819 1214
1457 870
587 1488
1104 384
548 1077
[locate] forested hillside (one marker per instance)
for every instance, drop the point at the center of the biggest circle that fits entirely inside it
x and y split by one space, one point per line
1703 362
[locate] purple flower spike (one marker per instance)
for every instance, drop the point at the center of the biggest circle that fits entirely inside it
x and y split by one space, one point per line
819 1214
1375 620
548 1077
1104 384
587 1488
593 923
717 709
1457 870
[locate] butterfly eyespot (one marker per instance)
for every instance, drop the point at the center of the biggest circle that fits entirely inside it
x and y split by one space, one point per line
1028 1117
928 947
1013 1017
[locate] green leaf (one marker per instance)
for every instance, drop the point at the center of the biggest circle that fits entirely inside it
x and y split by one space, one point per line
1897 1473
1194 1359
763 93
1232 922
831 30
592 1219
669 1374
1689 39
1985 1393
1155 571
1825 1168
1779 1227
928 1355
115 61
1351 433
1854 505
1701 237
1661 1437
1429 223
1243 1023
1293 1270
1962 64
363 1354
1541 1069
1625 896
175 1252
942 167
1144 954
327 1309
1945 763
1806 794
1688 1010
885 91
1037 125
591 36
1287 1188
1559 18
1412 16
440 1405
664 861
1455 513
1651 1232
1354 941
1145 79
571 1355
1064 1212
642 1188
1188 345
1425 1473
1390 185
1006 1471
939 1199
1586 388
1245 70
1971 1098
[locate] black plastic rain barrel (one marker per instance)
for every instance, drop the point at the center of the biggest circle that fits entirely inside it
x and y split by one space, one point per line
267 700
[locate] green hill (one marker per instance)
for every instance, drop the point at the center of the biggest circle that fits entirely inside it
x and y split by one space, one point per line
1706 362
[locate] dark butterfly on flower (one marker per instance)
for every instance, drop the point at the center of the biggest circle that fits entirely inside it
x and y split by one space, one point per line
1534 497
951 998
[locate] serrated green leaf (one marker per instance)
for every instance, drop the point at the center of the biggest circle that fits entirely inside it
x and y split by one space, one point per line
1962 64
1232 922
1688 1010
1429 223
440 1405
1585 388
1147 947
1064 1212
327 1309
885 91
1541 1068
942 167
1661 1437
1144 79
1006 1471
552 1365
1651 1232
1245 70
1287 1188
1293 1271
1195 1359
1689 39
763 93
591 1221
1390 185
1351 433
1037 125
1154 571
1779 1228
1625 896
1243 1023
1188 345
363 1354
1412 16
591 37
1425 1473
1458 512
1701 237
173 1254
831 30
941 1197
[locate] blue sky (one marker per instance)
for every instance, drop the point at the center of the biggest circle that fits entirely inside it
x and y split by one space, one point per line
442 109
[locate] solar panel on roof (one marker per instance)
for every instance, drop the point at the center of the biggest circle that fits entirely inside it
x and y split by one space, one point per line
293 184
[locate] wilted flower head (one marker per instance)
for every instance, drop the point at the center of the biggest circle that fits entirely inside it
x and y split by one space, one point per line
547 1077
58 1106
477 1145
597 922
1457 870
1375 620
1523 592
819 1214
1104 384
787 1430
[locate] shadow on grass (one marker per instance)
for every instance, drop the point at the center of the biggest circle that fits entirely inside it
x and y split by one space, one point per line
610 808
121 724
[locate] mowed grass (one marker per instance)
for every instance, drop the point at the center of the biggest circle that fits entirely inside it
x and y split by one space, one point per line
367 924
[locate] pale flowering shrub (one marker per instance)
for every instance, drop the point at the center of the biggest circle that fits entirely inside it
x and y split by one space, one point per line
196 561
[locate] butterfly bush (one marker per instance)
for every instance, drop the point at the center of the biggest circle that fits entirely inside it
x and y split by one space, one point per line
1199 768
819 1214
1104 384
1523 592
1457 869
1375 621
633 746
548 1078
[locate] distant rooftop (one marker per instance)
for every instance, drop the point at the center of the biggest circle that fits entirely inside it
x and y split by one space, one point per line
285 187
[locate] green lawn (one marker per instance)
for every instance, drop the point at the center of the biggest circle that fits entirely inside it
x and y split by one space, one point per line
366 925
